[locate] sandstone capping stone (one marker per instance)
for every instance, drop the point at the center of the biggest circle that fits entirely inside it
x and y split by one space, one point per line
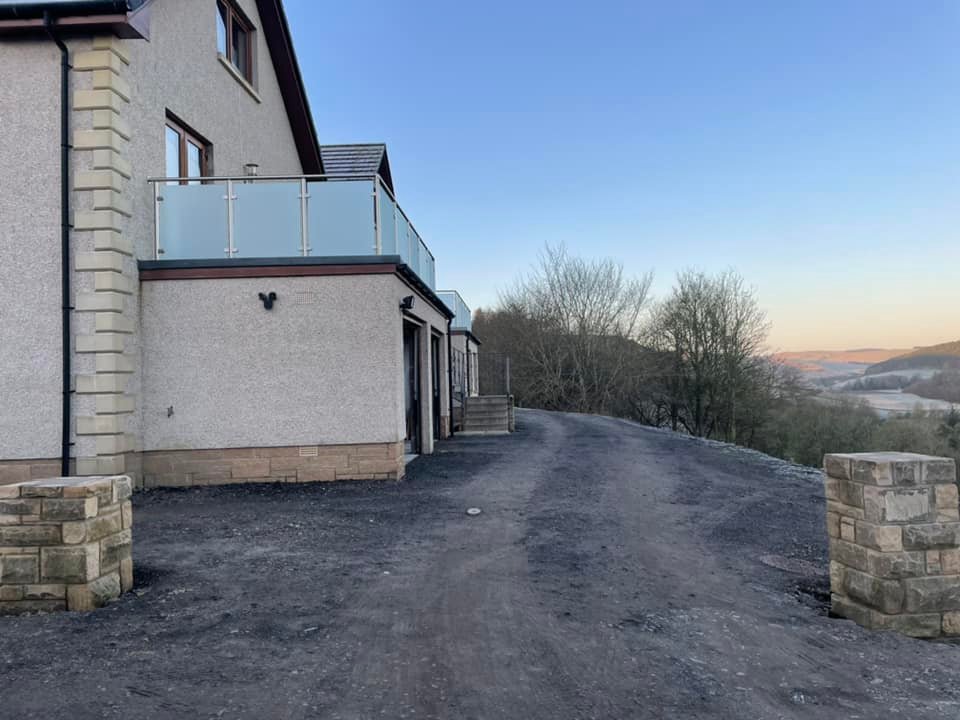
939 471
837 466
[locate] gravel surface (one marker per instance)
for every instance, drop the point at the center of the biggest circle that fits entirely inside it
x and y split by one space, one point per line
614 572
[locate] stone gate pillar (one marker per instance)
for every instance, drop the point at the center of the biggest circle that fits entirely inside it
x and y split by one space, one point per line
894 526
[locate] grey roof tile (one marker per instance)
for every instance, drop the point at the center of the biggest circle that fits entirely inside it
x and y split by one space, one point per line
362 160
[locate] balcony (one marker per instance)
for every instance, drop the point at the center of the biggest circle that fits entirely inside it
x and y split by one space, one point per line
284 216
463 319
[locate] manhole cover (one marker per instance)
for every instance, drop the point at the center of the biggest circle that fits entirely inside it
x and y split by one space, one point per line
793 565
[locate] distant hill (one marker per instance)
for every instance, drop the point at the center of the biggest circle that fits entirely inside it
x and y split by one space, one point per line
945 356
834 363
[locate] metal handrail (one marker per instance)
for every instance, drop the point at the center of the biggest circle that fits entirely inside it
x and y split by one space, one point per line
258 178
376 179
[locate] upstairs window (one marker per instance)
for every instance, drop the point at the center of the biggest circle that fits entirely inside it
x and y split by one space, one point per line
187 154
235 38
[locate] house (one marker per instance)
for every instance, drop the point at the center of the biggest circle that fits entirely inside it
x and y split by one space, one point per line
464 354
193 289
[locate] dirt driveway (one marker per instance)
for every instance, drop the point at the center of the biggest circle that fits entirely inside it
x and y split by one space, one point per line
615 572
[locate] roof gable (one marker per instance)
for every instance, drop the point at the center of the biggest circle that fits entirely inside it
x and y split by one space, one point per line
360 160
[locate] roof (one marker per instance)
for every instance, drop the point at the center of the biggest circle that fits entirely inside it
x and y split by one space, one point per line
130 19
359 160
124 18
36 8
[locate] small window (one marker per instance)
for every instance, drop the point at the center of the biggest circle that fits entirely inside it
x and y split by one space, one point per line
187 155
235 38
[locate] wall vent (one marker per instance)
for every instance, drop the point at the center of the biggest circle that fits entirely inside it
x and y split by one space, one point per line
304 298
311 451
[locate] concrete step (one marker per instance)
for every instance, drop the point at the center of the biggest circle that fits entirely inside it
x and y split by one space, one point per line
488 400
487 408
487 414
498 422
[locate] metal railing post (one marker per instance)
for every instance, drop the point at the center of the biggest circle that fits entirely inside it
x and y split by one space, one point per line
157 199
377 247
230 250
507 373
304 227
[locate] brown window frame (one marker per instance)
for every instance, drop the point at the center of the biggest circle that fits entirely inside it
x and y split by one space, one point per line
187 135
233 14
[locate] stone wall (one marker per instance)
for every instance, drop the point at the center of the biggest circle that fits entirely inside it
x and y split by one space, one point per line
310 463
894 526
65 543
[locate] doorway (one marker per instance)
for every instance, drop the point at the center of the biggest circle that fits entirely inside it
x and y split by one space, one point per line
411 385
435 383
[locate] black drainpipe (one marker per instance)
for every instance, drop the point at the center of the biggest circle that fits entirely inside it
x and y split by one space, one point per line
450 375
64 238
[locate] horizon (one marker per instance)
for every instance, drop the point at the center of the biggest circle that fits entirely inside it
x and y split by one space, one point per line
811 148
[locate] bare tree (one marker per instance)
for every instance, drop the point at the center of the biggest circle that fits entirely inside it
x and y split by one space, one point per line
580 323
712 332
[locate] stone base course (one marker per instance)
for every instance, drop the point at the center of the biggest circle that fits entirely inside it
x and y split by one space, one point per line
16 471
296 464
65 543
893 521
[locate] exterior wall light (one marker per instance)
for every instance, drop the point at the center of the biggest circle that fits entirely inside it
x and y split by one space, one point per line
268 299
251 169
407 303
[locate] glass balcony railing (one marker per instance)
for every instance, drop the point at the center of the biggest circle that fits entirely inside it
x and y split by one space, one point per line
463 318
284 216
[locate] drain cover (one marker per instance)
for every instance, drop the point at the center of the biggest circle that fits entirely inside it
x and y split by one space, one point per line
473 511
792 565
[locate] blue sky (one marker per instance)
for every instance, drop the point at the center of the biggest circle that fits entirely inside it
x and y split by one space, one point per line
814 146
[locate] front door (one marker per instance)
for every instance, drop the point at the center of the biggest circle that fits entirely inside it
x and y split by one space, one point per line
411 384
435 383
